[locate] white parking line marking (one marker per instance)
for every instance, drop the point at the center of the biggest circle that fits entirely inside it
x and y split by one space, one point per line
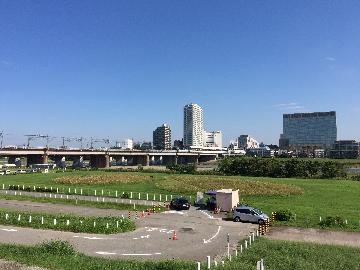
91 238
9 230
105 253
140 254
216 234
208 215
174 212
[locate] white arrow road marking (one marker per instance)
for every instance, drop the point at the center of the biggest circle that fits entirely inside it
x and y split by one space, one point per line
216 234
105 253
9 230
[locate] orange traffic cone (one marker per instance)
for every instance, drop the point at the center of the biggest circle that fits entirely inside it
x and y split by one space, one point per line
174 236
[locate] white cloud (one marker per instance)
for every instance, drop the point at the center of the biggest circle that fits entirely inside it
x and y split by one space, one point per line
330 58
291 106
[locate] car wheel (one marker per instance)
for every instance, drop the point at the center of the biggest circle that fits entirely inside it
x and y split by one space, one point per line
261 221
237 219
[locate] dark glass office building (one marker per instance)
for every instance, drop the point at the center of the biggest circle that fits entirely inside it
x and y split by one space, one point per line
304 130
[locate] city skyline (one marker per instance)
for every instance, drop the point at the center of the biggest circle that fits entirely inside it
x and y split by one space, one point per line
121 69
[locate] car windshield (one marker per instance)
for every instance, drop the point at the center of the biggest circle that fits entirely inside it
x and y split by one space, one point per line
182 201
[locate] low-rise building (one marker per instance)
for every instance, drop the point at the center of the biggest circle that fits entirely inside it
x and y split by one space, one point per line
261 151
212 139
345 149
246 142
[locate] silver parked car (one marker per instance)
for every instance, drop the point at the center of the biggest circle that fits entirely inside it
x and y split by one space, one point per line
249 214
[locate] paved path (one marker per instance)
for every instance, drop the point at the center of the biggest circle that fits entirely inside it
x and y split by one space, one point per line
198 233
315 236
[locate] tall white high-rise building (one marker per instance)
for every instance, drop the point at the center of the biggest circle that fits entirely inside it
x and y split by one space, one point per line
193 125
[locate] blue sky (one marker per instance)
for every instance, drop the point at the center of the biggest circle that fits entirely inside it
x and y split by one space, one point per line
119 69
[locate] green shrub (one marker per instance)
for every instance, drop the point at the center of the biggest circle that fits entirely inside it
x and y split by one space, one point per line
332 222
57 247
283 215
182 168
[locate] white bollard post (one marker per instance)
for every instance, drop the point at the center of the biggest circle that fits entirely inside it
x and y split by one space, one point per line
346 222
102 192
103 199
198 266
166 198
246 244
154 198
67 197
23 187
241 248
69 190
67 222
208 262
107 225
249 239
15 193
139 195
222 263
236 252
253 236
116 193
95 192
42 220
97 199
61 196
320 219
117 224
54 221
3 186
147 196
215 263
6 216
57 190
131 195
257 233
94 224
160 198
81 192
19 217
30 219
230 257
134 206
228 250
171 197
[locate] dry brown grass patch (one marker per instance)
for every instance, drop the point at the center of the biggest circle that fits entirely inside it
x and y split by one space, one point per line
102 179
191 184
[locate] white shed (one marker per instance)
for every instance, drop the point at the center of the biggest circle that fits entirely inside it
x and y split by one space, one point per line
226 199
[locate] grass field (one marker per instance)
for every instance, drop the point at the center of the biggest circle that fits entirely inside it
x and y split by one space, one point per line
277 255
94 204
64 222
308 199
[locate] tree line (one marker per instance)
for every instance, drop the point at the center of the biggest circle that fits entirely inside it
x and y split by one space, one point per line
281 168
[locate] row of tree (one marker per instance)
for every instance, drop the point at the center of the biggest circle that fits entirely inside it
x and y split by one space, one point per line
274 167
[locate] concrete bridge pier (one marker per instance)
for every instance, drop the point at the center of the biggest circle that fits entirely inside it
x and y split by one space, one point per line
100 161
143 160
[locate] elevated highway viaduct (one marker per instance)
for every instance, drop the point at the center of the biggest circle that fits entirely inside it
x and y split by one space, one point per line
104 158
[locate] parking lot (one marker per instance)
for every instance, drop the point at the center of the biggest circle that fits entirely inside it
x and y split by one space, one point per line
198 234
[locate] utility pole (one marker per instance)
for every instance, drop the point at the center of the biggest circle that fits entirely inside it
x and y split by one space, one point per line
2 138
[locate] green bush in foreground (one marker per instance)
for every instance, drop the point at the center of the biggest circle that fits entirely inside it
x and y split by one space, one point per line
102 225
283 215
277 255
330 222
